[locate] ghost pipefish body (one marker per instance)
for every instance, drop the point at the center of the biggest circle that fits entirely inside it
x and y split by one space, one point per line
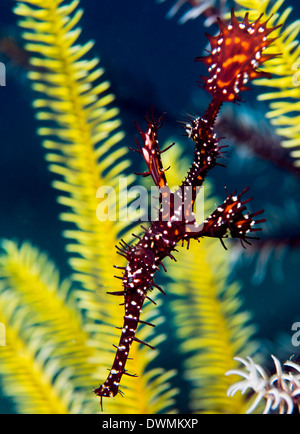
235 56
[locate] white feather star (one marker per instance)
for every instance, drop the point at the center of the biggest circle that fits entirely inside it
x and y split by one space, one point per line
281 392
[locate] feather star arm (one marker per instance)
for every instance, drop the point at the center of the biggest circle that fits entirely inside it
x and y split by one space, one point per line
235 56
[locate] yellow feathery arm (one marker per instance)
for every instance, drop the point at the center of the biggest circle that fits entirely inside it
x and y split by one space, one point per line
47 353
284 96
80 142
211 329
82 148
206 320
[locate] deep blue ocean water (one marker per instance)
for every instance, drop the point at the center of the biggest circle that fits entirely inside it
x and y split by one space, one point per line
149 62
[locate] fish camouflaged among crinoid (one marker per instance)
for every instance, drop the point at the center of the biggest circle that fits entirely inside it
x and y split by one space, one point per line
235 56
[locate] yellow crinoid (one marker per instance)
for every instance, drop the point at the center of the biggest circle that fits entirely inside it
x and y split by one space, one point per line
59 335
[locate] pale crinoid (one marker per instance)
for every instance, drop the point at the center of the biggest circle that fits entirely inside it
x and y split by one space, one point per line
281 391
